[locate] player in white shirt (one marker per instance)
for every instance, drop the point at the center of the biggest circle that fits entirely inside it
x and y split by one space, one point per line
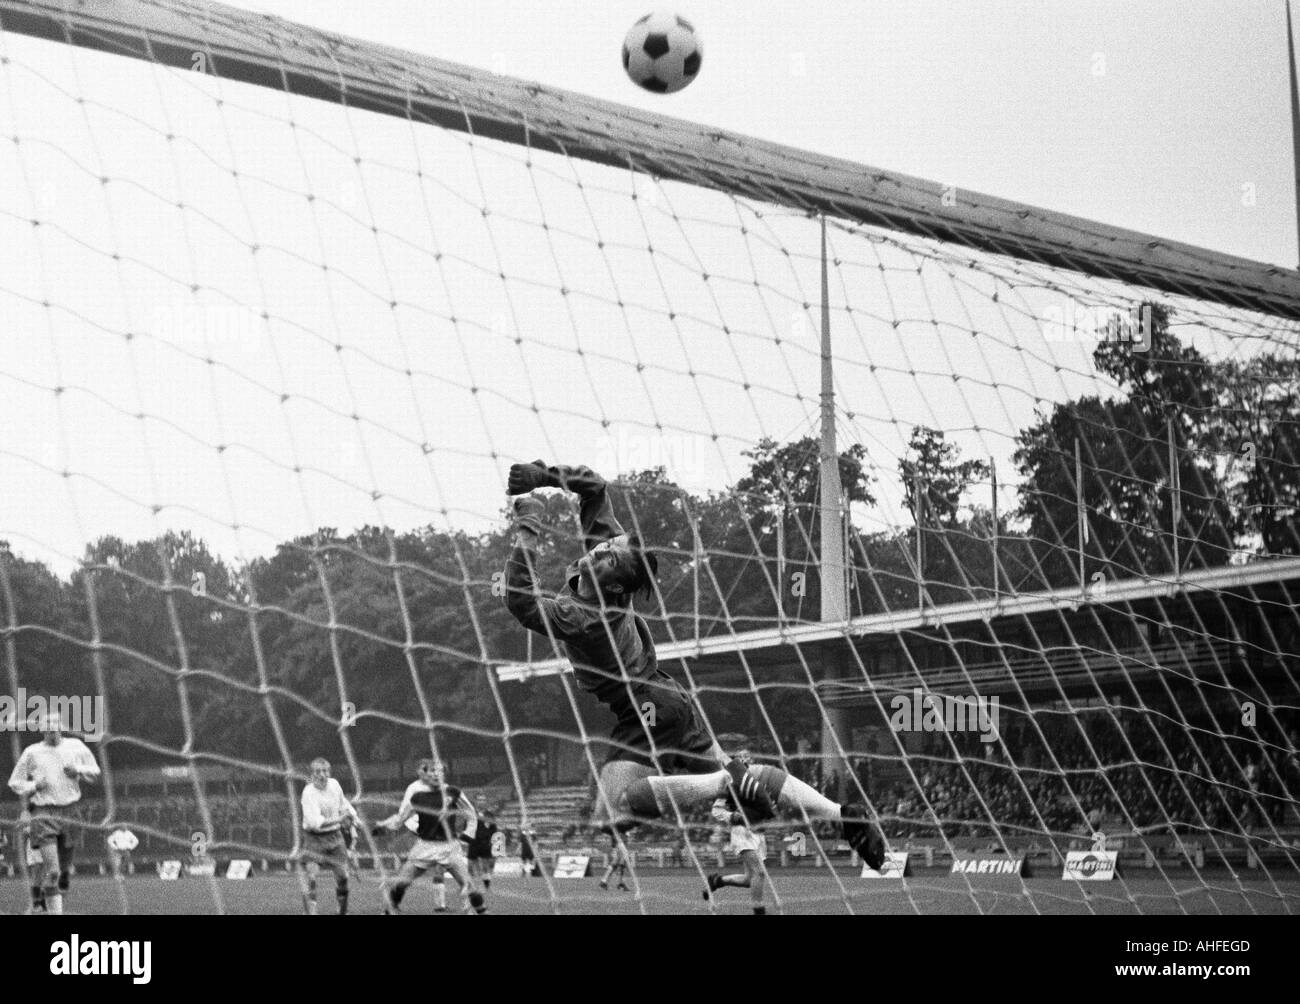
121 842
750 846
327 816
49 774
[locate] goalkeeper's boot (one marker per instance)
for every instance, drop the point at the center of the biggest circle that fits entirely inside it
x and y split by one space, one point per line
715 883
863 835
750 796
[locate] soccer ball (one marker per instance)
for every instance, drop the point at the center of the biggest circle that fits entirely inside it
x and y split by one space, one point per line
662 53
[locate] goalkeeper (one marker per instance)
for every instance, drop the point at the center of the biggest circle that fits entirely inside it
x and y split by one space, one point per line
662 755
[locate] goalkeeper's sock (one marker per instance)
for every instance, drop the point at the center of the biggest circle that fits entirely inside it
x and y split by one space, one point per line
652 797
741 881
788 792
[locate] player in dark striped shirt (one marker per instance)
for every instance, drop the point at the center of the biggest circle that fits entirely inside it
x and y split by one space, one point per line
445 819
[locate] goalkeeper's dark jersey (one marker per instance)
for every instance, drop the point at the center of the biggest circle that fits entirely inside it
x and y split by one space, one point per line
602 645
611 650
441 813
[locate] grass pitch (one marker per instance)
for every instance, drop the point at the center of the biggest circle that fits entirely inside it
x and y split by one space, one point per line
678 892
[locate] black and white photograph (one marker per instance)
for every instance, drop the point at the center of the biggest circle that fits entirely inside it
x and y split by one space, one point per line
577 459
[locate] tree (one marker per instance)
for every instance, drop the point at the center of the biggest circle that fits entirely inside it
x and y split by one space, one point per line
1127 480
933 463
790 474
1260 443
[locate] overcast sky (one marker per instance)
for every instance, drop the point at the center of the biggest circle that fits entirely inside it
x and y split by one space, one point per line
325 404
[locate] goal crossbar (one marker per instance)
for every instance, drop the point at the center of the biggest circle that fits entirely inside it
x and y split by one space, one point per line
271 52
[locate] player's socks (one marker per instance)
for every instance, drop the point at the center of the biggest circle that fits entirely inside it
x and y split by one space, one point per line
791 793
54 903
38 898
341 894
393 899
440 894
750 791
487 883
854 818
652 797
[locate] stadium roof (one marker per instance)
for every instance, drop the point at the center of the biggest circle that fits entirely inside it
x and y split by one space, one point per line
777 644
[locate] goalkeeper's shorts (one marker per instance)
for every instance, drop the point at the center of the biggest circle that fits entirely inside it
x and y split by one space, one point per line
659 709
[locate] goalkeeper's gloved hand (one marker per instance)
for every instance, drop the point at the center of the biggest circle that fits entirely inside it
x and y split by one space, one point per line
525 477
529 510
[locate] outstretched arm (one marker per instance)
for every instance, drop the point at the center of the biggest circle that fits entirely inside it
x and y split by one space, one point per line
596 513
539 613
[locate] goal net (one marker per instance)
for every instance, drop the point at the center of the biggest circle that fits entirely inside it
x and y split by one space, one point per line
280 309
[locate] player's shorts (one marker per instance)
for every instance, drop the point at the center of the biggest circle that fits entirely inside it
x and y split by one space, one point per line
45 829
430 853
325 849
744 839
33 855
661 707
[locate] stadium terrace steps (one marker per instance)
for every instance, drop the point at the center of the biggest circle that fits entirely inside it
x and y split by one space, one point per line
551 809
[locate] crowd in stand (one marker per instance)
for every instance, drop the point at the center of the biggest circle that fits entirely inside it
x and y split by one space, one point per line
1153 774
